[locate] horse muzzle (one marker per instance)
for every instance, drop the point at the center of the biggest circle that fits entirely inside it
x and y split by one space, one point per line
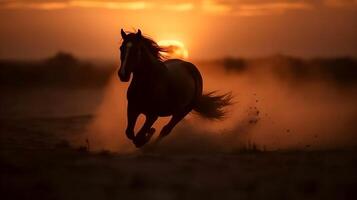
124 77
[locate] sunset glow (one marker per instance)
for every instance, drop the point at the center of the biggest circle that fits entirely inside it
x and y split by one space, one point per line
208 28
176 49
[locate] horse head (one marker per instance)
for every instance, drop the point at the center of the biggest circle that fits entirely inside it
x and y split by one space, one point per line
130 53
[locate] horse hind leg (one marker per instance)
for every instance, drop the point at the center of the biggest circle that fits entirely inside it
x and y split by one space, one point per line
176 118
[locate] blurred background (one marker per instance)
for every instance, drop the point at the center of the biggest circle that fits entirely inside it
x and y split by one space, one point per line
291 67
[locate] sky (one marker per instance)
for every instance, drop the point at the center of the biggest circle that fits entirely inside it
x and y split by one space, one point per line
209 29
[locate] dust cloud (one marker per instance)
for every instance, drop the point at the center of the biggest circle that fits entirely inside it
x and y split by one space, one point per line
274 108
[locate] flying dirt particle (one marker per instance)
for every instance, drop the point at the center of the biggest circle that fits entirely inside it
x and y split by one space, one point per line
288 130
87 143
257 100
258 112
83 149
253 121
307 146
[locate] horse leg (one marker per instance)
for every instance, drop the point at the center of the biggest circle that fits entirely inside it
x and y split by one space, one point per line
146 131
176 118
132 116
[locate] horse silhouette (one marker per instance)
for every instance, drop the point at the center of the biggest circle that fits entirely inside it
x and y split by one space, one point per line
162 88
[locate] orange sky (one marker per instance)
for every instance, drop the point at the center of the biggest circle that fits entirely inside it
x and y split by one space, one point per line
209 28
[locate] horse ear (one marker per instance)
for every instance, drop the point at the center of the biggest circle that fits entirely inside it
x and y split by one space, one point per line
139 33
123 34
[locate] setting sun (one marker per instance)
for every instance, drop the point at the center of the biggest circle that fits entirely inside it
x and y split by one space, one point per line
176 49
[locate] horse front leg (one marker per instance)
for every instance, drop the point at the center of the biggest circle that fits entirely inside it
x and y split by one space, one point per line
146 131
132 116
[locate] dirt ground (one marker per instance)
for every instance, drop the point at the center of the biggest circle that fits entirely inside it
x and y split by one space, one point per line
36 163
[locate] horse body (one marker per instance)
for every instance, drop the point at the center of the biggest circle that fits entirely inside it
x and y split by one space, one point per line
183 90
161 88
174 80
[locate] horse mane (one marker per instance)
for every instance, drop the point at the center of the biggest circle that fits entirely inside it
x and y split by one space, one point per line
155 49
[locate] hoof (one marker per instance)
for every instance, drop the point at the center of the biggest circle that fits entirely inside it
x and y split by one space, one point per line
138 144
141 140
130 136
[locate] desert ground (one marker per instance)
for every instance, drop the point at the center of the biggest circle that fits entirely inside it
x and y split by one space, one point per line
45 152
36 163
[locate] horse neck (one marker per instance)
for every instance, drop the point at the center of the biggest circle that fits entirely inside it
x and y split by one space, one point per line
152 67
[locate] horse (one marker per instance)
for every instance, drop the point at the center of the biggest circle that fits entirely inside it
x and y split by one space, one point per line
161 88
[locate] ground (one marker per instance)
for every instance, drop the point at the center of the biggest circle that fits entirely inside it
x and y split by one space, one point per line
36 163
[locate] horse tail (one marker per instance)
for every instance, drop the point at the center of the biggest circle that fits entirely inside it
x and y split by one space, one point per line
211 105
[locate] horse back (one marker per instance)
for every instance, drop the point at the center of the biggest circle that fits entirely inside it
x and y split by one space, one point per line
185 82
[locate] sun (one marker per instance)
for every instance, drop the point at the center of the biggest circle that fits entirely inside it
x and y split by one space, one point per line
176 49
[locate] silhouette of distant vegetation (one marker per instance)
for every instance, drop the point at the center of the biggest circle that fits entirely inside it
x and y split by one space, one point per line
234 64
342 70
63 69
